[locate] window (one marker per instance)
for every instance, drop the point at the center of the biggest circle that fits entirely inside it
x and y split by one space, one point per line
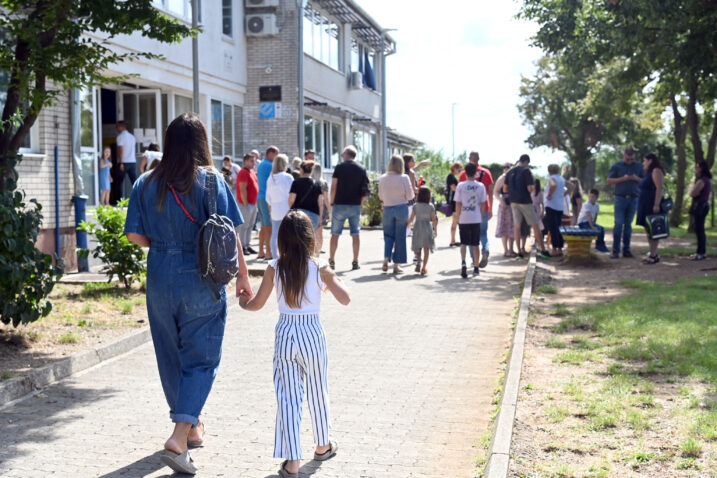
324 137
227 17
31 143
365 143
88 153
179 8
359 53
226 130
321 37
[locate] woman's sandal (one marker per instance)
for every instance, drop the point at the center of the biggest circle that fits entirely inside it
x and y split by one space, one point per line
424 271
651 260
384 267
181 463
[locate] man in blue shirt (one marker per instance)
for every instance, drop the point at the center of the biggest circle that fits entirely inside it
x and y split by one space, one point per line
625 175
263 171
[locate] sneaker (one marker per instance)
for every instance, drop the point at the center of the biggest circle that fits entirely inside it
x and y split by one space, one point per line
250 250
476 271
615 255
464 272
484 260
545 254
244 251
355 266
519 255
699 257
602 249
332 264
627 255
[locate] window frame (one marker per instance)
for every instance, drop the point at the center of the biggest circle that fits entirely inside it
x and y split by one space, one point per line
323 135
229 35
322 37
185 16
236 131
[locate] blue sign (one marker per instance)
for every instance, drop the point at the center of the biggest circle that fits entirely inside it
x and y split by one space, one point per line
269 110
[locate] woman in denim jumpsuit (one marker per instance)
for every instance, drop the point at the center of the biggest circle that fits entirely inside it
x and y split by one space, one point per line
186 319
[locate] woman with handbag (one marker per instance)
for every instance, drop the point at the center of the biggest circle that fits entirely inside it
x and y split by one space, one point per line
650 196
700 194
186 317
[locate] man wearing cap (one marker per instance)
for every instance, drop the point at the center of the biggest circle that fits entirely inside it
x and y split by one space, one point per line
625 175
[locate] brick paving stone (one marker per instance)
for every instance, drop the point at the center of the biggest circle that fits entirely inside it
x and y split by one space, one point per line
412 368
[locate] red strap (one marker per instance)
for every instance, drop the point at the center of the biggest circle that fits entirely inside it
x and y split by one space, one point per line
176 198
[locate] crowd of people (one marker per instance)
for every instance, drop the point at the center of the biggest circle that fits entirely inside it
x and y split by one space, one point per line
289 199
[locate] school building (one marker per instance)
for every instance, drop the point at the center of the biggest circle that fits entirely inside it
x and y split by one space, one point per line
297 75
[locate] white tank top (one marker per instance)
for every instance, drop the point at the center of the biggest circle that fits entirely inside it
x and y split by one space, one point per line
311 304
557 201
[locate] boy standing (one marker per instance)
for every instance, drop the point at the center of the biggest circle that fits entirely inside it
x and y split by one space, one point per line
588 219
471 202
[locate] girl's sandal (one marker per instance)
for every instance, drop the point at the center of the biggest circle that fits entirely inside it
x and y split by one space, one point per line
384 267
651 260
418 266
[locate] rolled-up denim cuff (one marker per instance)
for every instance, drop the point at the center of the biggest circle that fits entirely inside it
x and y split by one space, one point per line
183 418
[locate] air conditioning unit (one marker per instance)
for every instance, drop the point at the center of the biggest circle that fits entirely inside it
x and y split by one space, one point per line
261 24
356 80
261 3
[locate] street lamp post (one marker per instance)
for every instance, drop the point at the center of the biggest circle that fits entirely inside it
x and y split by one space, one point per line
195 58
453 128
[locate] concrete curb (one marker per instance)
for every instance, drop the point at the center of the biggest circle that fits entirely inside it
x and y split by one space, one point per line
15 388
499 451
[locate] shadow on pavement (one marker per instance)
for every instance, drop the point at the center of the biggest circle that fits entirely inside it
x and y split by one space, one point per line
149 464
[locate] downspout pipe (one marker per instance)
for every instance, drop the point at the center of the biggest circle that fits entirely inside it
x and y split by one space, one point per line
58 257
300 69
195 58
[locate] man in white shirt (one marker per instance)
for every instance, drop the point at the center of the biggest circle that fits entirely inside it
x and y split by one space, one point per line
126 153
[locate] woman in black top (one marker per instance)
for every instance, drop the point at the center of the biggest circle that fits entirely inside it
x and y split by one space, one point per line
451 184
306 195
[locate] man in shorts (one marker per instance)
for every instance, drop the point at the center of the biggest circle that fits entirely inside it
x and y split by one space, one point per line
519 183
349 190
263 171
471 202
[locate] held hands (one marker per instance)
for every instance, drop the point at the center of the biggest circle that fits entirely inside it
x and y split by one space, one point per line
656 209
243 289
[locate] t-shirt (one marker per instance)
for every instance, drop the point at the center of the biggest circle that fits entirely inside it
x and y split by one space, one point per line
557 200
484 176
352 183
307 194
450 181
277 194
518 179
471 194
620 169
263 171
235 172
591 208
126 140
248 176
395 189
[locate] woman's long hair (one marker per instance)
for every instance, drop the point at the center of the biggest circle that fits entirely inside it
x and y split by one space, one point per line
296 247
655 163
186 149
704 169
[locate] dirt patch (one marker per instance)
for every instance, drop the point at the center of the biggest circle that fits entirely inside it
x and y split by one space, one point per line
83 317
566 423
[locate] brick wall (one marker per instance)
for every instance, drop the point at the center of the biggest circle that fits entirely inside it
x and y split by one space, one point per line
279 53
36 174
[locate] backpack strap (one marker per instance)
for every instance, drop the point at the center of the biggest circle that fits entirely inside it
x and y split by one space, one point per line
210 182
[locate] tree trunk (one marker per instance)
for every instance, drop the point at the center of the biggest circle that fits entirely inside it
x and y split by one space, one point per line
679 132
712 143
693 122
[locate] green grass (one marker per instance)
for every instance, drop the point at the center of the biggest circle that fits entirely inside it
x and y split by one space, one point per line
685 251
691 448
547 289
661 328
560 310
69 338
554 342
125 306
4 375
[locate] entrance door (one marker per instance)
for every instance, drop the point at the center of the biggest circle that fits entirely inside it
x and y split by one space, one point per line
89 152
142 111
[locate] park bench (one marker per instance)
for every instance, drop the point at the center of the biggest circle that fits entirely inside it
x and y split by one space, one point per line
578 241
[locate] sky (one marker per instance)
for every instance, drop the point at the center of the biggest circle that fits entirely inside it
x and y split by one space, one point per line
469 52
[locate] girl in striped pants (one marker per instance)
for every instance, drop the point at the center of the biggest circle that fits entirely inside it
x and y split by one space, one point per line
300 360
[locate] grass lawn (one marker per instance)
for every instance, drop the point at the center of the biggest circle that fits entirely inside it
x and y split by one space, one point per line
650 370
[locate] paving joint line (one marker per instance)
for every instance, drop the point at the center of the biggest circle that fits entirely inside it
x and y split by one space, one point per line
498 463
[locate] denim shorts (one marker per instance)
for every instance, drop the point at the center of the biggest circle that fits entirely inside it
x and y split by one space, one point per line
340 213
313 216
264 215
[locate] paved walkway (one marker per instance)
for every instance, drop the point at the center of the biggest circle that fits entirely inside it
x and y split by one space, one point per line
412 360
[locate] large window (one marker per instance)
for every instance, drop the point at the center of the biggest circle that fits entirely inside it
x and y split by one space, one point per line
365 143
324 137
321 37
226 130
227 18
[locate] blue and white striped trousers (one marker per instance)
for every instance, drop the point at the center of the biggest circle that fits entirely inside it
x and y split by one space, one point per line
300 361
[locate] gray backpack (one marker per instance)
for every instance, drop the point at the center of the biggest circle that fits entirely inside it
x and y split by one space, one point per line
217 243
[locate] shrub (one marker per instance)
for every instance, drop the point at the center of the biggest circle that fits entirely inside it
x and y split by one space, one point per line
372 208
27 275
120 257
